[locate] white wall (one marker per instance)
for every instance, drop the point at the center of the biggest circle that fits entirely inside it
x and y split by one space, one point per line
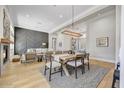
50 40
122 50
102 27
82 43
118 30
65 40
1 21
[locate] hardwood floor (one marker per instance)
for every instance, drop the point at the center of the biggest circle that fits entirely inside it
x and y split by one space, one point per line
29 76
107 80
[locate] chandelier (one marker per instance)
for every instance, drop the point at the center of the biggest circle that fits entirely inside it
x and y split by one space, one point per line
70 31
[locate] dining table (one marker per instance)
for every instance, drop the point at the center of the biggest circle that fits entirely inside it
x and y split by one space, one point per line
63 59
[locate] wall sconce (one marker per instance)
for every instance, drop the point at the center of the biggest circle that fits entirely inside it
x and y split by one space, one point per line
43 45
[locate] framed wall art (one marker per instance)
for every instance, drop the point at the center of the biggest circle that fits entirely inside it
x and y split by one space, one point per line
102 42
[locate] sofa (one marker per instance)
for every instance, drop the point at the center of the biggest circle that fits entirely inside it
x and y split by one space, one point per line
37 50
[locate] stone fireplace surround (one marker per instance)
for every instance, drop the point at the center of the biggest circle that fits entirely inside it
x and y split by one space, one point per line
4 42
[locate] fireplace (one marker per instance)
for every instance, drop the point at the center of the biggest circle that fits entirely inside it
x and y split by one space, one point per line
5 53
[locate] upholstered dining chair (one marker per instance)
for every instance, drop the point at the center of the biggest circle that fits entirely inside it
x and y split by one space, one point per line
28 58
77 62
71 52
86 60
51 65
116 75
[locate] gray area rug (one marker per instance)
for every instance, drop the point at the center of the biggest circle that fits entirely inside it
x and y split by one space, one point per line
90 79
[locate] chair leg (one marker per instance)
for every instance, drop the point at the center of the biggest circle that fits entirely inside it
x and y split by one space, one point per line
45 71
83 67
41 59
50 72
82 70
75 70
88 66
54 69
50 75
114 80
61 70
38 59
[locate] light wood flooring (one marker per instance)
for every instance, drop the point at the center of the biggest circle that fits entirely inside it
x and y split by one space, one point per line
28 75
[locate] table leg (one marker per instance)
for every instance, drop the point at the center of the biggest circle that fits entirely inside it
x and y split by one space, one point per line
41 58
65 70
38 59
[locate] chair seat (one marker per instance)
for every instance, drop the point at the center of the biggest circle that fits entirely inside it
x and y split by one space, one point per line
54 64
72 63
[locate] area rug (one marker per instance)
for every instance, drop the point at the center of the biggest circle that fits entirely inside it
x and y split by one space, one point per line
90 79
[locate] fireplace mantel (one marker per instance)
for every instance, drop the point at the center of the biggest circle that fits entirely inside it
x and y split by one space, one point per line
5 41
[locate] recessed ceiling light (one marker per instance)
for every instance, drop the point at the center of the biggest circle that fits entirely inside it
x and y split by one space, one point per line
27 15
61 16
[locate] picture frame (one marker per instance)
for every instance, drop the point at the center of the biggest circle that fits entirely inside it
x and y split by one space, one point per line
102 42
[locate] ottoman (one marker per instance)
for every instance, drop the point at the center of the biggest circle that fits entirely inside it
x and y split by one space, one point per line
16 58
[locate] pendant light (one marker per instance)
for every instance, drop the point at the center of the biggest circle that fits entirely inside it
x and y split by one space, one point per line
70 32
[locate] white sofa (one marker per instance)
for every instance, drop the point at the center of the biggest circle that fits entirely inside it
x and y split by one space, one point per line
37 50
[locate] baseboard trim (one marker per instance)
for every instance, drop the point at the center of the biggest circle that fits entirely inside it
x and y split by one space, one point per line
101 59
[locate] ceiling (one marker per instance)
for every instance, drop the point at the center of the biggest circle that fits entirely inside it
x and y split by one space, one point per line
47 18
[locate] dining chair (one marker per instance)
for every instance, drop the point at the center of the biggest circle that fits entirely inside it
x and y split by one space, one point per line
116 75
58 52
71 52
76 62
51 64
65 52
86 60
29 58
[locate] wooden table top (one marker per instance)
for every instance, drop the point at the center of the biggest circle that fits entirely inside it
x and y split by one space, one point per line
65 57
70 56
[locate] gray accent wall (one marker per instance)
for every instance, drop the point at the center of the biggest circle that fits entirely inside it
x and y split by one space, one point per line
25 39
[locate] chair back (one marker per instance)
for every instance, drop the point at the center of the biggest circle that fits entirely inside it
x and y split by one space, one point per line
80 56
30 56
65 52
87 56
71 52
49 52
48 56
58 52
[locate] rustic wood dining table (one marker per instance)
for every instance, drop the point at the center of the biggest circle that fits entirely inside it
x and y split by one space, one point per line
63 59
